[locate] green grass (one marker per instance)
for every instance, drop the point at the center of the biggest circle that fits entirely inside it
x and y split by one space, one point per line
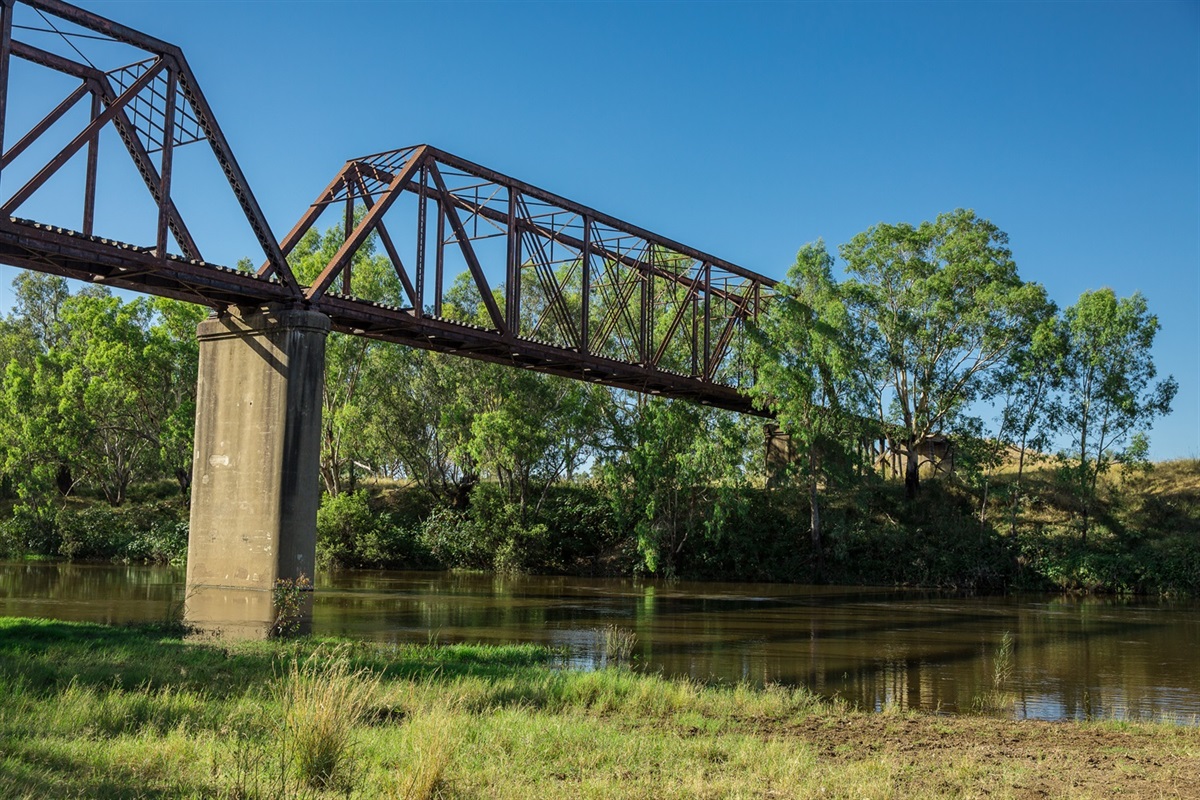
105 712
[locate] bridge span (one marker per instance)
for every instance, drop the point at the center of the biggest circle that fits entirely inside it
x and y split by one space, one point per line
560 287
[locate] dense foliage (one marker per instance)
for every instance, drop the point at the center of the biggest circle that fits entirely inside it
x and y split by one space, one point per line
431 461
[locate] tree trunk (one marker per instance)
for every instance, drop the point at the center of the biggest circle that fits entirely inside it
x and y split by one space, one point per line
912 473
184 478
814 520
1012 528
461 497
1085 501
63 480
331 478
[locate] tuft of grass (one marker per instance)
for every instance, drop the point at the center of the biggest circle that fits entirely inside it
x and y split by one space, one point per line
432 739
998 698
324 698
617 644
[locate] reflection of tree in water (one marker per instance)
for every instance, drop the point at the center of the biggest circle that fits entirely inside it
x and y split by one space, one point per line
90 592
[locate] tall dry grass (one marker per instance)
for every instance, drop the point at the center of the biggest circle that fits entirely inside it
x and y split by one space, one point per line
432 738
323 700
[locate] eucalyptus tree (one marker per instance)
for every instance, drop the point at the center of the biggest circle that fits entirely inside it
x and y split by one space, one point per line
808 374
172 354
111 409
39 300
92 404
1027 389
410 429
1110 397
669 470
934 308
525 429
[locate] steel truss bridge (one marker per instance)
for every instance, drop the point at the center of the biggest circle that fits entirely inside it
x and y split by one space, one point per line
560 287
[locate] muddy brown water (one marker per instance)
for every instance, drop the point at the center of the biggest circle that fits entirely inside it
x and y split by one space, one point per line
1071 658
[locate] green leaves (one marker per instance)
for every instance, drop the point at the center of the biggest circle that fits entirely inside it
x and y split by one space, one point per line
1110 394
669 472
100 390
934 309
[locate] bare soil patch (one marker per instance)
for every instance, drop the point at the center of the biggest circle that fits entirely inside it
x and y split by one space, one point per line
1025 759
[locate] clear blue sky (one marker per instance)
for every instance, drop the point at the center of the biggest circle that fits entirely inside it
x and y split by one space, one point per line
749 129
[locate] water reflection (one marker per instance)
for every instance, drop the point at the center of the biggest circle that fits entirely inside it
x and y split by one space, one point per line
1072 658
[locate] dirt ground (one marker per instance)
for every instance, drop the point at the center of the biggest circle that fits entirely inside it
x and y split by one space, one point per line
1026 759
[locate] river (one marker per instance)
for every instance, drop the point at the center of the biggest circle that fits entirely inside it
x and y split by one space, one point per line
1070 657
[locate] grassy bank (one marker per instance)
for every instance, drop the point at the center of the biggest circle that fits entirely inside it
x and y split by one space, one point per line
93 711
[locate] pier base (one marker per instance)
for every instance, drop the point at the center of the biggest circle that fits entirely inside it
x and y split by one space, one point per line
255 480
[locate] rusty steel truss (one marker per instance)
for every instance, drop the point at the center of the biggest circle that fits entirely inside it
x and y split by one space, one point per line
547 284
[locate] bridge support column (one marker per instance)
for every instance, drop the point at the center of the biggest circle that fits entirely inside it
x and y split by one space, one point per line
255 480
779 454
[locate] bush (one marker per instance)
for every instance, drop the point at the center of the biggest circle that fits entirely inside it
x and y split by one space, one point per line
146 533
93 532
451 539
31 530
341 521
165 541
350 533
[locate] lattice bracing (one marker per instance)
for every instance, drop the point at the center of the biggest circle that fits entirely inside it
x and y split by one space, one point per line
555 285
155 105
480 264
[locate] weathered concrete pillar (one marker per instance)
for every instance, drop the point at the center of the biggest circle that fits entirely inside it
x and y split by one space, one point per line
779 454
255 487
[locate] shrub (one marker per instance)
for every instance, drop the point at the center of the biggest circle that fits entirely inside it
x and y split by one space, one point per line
147 533
341 521
288 599
164 542
450 537
323 699
350 533
32 529
93 532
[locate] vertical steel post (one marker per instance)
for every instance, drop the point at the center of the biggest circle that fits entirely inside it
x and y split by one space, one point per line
642 355
422 202
439 260
585 345
6 12
168 160
93 158
512 271
695 301
648 335
707 314
348 230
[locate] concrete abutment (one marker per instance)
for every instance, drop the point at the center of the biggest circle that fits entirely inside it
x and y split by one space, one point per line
255 489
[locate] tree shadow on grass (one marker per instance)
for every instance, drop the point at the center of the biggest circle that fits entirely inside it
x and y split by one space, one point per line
47 655
33 769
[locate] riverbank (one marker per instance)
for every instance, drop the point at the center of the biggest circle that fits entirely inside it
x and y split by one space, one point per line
96 711
1143 536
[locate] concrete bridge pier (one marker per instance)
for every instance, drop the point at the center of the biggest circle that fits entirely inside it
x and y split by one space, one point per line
255 488
780 454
